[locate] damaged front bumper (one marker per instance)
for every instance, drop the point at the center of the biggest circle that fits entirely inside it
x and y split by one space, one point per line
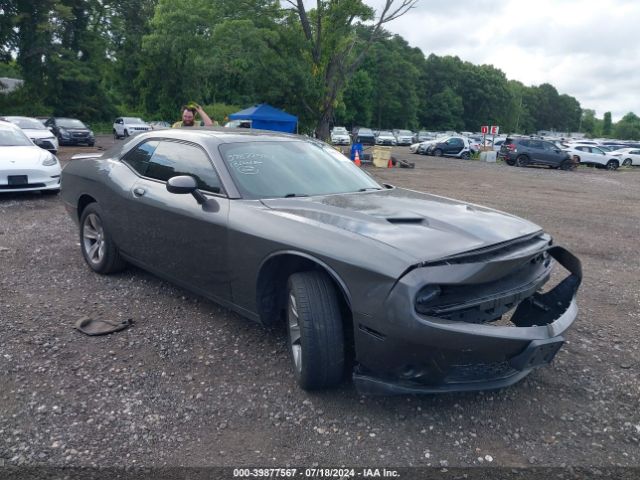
409 353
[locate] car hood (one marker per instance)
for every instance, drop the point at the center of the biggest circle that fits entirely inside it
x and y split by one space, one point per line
426 227
37 133
26 157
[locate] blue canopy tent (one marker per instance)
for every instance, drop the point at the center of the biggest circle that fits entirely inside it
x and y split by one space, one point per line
266 117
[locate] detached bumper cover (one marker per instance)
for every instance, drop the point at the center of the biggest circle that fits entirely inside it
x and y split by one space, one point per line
423 354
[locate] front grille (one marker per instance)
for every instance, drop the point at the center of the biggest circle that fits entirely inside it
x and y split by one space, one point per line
25 185
479 372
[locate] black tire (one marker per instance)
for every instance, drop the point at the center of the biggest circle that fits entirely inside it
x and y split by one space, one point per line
465 156
627 162
91 144
522 161
510 161
437 152
115 135
126 133
567 165
612 165
98 249
314 330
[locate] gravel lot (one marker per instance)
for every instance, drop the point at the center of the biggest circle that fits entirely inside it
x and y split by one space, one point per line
192 384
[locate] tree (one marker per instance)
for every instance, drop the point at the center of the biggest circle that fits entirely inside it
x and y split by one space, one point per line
628 128
333 50
606 124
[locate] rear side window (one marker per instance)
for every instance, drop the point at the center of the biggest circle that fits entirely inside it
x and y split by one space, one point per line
524 143
139 157
171 159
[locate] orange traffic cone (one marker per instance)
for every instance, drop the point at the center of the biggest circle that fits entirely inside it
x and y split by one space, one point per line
390 164
356 160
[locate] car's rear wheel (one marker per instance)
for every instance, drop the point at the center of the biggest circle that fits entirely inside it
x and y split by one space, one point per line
465 156
98 248
115 135
567 164
314 327
627 162
437 152
612 165
522 161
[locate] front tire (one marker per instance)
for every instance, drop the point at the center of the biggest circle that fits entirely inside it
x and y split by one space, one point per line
612 165
437 152
627 162
98 248
314 330
115 135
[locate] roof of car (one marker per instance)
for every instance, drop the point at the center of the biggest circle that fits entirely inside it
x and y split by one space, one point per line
223 135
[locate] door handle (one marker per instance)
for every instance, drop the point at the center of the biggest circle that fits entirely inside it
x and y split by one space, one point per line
138 192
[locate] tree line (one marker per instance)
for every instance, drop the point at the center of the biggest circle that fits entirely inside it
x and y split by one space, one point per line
335 64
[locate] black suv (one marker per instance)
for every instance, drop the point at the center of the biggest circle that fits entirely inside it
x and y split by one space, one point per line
529 151
71 131
363 136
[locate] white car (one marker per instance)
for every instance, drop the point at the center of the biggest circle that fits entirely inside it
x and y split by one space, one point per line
627 156
23 165
385 137
37 132
414 147
403 137
340 136
592 155
126 126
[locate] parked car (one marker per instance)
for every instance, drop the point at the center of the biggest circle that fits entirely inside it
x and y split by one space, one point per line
405 286
126 126
450 147
594 156
403 137
71 131
340 136
424 136
522 152
385 137
627 156
36 131
363 136
23 165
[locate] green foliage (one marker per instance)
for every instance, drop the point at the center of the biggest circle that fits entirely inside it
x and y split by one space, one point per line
220 112
628 128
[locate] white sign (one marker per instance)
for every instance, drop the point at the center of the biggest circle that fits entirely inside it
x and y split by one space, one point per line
495 129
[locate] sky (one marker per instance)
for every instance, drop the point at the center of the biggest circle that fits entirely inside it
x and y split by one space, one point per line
587 49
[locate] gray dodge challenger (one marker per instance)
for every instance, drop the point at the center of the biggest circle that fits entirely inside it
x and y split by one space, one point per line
405 291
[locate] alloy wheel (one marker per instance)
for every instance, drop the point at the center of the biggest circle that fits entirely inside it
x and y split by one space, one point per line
93 238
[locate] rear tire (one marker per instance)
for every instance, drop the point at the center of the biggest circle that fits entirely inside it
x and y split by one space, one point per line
98 248
465 156
437 152
115 135
522 161
567 165
627 162
612 165
314 330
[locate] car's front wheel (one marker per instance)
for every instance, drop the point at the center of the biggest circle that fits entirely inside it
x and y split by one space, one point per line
115 135
612 165
437 152
98 248
314 328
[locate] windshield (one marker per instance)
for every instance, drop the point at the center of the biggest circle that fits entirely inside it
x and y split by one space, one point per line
131 120
385 133
340 130
13 138
404 132
70 123
24 122
292 169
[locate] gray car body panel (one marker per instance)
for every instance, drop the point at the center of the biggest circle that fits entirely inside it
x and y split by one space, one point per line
381 247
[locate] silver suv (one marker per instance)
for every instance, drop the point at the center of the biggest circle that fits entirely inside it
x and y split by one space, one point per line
125 126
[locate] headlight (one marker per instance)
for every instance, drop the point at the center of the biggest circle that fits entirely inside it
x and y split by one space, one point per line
48 162
63 132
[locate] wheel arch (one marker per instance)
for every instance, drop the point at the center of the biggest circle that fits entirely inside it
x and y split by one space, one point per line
271 285
83 201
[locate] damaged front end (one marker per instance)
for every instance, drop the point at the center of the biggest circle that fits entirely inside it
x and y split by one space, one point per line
477 321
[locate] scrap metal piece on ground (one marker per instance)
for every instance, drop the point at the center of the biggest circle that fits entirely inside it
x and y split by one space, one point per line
93 326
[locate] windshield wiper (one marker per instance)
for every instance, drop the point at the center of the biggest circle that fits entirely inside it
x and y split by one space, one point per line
289 195
369 188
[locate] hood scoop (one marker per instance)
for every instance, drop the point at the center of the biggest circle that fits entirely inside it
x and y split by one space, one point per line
407 220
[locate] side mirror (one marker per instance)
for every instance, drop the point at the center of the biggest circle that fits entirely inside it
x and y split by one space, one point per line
182 184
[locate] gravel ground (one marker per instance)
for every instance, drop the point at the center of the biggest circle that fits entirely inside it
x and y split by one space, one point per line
193 384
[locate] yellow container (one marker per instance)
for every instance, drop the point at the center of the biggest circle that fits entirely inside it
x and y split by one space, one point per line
381 156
